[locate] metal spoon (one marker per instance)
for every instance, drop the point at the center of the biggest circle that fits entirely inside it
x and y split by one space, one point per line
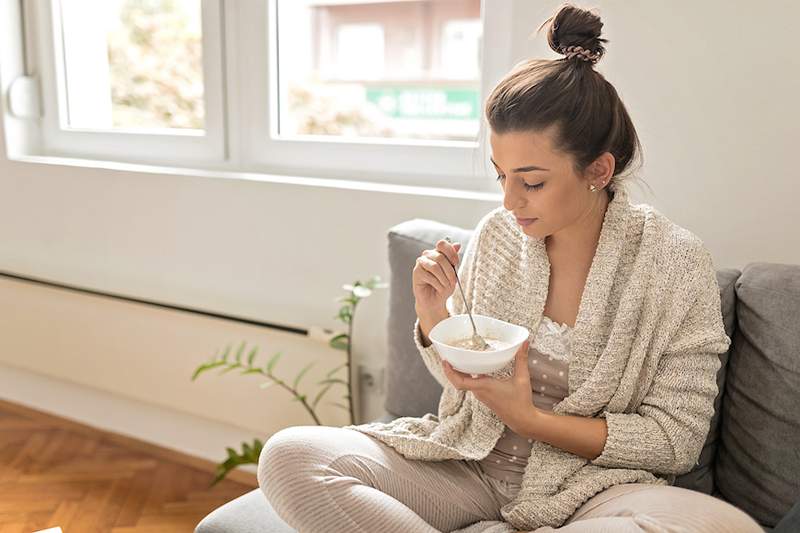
477 341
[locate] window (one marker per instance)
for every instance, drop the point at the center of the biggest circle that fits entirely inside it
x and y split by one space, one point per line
397 69
136 80
134 65
380 90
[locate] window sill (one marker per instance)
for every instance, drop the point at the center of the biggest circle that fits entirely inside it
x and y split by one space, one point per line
441 192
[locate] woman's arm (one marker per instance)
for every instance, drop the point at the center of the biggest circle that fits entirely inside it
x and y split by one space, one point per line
576 434
669 429
454 305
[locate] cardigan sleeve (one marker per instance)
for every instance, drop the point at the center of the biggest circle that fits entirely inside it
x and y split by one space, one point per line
668 430
454 304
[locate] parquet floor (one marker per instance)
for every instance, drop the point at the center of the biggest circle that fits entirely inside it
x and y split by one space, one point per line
58 473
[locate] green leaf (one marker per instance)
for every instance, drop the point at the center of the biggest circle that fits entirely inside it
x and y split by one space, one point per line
338 337
239 352
272 362
231 366
333 380
345 314
302 372
251 356
329 374
225 354
206 366
339 345
337 404
339 342
249 455
266 385
320 394
251 371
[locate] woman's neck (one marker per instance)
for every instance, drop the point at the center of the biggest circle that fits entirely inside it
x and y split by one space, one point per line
578 242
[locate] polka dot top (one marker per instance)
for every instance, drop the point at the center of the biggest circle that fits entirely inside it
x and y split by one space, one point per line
548 363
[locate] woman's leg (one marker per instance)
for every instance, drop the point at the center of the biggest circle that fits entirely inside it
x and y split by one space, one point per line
321 478
638 507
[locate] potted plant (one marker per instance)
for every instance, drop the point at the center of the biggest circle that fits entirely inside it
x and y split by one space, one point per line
227 362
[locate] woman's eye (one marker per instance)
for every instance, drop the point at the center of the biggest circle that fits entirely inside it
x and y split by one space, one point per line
527 187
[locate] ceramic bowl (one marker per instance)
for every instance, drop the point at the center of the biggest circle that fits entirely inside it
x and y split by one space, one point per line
475 362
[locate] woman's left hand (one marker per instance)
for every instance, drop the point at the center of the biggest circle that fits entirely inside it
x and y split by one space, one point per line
511 399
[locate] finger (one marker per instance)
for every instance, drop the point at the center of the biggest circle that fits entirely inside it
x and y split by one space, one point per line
447 269
433 281
466 381
521 361
458 379
449 250
448 373
435 269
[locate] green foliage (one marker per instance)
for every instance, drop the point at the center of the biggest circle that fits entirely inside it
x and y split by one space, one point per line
226 361
248 455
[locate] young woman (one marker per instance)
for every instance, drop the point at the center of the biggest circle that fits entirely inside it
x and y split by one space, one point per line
611 397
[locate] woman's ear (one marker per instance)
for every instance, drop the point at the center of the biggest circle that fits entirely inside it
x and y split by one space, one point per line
602 169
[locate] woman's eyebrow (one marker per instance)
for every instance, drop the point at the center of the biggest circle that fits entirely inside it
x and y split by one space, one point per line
529 168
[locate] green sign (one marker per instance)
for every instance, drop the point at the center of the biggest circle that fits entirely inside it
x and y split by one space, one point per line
426 102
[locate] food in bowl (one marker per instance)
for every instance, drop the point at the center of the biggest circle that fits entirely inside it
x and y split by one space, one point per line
492 344
452 339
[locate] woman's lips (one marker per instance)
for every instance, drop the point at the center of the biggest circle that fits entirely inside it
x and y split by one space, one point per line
526 221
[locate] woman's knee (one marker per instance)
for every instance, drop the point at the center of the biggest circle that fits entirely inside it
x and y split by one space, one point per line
290 455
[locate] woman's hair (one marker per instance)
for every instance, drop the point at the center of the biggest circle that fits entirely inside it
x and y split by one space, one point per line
568 93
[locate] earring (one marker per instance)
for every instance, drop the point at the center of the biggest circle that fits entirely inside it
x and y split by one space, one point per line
592 188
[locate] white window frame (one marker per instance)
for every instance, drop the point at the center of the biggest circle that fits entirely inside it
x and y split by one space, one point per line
169 146
240 137
451 164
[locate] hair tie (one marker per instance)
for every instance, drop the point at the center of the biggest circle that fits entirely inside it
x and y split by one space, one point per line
581 52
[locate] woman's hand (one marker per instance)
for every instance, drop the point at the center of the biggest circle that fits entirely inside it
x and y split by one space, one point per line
434 277
511 399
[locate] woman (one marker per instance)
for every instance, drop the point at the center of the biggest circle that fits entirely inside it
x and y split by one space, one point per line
612 395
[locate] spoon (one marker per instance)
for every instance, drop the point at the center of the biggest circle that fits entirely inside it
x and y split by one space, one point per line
477 341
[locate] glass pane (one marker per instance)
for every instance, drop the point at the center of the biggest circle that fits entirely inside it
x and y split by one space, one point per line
133 64
392 69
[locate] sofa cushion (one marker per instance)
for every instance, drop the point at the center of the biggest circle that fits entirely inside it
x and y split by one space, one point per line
249 513
410 388
758 463
701 477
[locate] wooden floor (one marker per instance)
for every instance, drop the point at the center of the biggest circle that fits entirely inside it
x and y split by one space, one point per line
57 473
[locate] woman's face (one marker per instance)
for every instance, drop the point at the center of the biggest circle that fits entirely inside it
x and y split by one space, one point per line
539 182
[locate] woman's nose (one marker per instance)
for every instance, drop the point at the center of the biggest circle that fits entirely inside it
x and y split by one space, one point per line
512 202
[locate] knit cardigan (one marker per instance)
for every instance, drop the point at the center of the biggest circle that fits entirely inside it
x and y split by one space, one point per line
645 353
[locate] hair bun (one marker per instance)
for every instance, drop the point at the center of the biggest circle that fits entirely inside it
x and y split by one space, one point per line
575 32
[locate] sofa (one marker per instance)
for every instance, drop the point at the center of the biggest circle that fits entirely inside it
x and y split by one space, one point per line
751 457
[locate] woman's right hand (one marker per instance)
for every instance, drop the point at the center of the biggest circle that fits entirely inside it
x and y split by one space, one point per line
434 277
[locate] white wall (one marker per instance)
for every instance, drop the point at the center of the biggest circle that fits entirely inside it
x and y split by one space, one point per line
712 89
709 85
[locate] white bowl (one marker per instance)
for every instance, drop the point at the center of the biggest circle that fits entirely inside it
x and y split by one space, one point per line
474 362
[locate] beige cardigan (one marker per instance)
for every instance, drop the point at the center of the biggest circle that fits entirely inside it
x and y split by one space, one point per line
645 355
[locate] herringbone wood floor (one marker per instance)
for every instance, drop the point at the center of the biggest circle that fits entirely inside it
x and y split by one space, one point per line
55 472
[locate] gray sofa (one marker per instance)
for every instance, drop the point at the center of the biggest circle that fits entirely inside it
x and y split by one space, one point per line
752 454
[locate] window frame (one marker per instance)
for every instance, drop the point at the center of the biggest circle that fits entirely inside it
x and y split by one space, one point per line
170 147
451 164
240 135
